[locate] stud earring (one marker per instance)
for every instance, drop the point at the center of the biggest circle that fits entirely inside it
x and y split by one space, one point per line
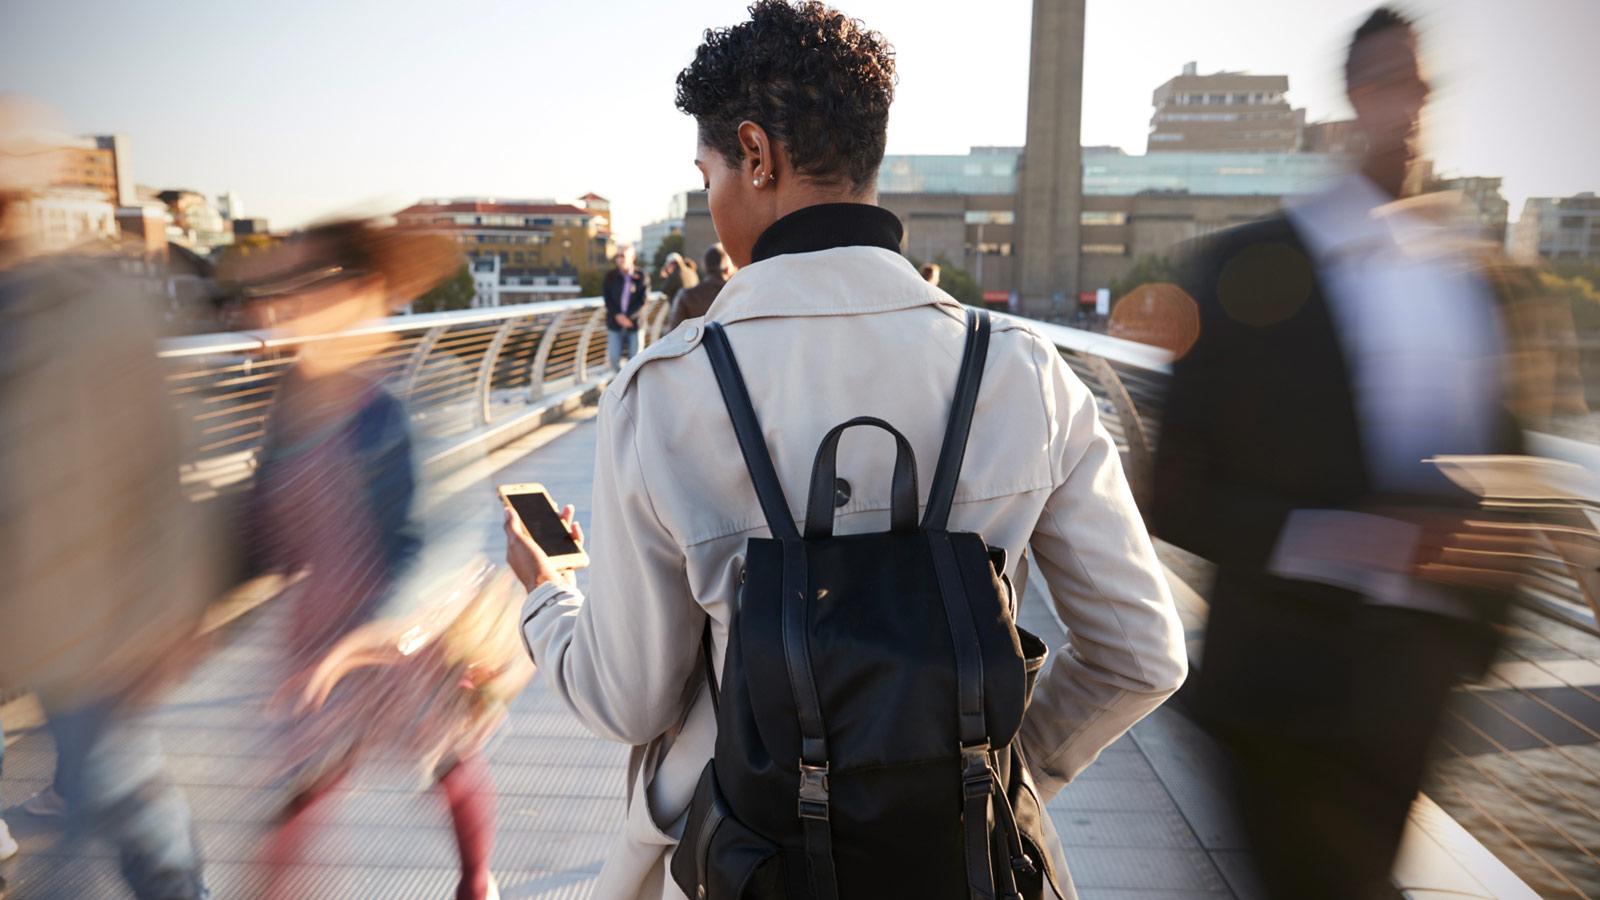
757 182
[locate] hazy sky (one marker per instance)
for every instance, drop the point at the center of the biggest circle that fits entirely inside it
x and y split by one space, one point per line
312 108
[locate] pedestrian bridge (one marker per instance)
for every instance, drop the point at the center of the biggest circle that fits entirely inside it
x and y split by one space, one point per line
505 395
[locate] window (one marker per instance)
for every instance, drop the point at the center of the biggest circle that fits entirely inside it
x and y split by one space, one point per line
1102 217
1166 138
1106 249
1197 117
991 217
1216 99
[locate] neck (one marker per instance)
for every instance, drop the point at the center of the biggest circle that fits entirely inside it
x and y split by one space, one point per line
1384 171
802 193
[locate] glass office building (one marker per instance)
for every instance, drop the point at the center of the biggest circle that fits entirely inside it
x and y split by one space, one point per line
986 170
993 170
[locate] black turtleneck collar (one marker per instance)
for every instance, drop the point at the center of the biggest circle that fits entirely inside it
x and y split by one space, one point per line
829 225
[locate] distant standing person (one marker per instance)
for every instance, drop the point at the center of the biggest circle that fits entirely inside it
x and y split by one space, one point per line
693 302
624 290
677 273
930 273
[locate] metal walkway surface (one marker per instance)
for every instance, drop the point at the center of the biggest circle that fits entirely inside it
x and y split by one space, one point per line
1142 823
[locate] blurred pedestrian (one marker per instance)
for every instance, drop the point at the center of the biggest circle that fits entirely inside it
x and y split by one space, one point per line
1341 344
830 321
692 302
93 519
8 845
625 291
333 499
930 273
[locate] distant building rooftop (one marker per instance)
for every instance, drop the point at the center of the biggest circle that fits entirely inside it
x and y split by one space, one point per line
490 205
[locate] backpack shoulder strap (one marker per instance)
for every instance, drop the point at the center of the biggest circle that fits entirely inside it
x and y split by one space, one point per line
943 492
748 428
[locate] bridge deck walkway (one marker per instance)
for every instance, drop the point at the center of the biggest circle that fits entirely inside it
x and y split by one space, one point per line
1140 824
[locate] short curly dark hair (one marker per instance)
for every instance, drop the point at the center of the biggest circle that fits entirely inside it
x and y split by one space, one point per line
815 79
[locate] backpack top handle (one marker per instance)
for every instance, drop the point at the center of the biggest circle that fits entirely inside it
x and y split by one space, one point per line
942 495
903 502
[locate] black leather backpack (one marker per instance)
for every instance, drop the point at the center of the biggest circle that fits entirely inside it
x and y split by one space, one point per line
872 690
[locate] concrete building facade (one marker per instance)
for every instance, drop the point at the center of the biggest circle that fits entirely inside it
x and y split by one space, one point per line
1222 112
653 233
1480 202
1559 229
100 163
1049 180
522 233
698 232
65 217
963 208
495 284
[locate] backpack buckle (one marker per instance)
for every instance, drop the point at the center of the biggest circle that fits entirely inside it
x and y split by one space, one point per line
976 773
814 792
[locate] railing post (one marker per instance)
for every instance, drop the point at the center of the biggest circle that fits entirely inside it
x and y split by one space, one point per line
541 357
408 379
580 365
486 369
1141 462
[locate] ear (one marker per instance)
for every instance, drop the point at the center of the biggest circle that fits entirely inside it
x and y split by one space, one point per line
759 159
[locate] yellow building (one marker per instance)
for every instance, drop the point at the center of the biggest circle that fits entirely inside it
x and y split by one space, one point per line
99 164
522 234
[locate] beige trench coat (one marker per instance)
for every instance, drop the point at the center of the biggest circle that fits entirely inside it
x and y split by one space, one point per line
822 337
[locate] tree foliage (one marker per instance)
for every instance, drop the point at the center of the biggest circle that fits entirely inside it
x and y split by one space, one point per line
454 292
954 280
672 243
1581 294
1148 269
590 282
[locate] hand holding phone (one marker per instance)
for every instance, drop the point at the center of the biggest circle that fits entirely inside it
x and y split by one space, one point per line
542 544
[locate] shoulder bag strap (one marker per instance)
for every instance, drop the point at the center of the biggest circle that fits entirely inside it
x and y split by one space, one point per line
748 429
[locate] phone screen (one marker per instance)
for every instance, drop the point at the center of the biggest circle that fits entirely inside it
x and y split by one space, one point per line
543 523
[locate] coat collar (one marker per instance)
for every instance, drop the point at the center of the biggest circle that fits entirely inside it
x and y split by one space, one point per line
837 259
843 281
828 225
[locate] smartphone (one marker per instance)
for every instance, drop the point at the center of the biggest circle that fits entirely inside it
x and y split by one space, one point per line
537 510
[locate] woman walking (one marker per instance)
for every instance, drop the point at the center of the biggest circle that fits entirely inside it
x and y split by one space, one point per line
333 499
830 322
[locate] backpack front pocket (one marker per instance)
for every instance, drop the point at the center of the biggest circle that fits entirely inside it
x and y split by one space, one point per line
720 858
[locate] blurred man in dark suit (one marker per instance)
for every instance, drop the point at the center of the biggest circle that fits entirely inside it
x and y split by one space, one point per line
1342 343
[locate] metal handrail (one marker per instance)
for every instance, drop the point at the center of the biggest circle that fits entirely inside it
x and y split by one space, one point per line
472 379
234 341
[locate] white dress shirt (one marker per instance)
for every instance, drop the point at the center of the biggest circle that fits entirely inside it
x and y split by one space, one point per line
1422 342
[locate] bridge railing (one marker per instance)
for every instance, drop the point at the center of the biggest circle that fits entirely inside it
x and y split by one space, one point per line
471 379
1130 378
476 379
